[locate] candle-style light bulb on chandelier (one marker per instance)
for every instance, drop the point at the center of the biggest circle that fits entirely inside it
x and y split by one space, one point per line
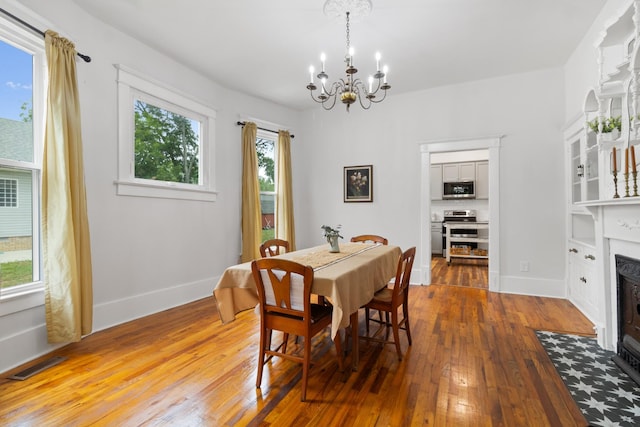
349 89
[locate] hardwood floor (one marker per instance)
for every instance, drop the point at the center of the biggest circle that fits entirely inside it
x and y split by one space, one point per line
475 360
473 273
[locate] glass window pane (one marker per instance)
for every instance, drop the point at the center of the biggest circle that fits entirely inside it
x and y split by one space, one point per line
265 149
16 100
16 232
167 145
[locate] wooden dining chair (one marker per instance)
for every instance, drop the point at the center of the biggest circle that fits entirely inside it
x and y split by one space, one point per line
273 247
370 238
373 238
284 293
389 300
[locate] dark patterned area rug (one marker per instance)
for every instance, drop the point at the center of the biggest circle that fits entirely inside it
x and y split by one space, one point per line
605 394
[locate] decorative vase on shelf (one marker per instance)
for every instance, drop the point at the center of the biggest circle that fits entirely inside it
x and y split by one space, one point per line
609 136
333 243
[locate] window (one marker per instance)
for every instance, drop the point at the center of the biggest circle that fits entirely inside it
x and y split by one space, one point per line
166 141
8 193
266 151
21 128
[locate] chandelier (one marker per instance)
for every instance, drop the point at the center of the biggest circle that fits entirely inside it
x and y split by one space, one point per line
349 89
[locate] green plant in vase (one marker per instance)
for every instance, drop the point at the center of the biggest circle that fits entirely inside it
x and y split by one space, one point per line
609 125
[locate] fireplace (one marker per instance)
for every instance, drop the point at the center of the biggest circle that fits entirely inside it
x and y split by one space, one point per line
628 291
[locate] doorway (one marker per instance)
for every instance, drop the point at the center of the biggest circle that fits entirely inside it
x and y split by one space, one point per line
492 144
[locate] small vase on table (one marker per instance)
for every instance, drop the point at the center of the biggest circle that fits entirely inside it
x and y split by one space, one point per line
333 243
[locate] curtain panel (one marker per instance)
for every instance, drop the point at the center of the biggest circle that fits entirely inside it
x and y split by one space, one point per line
65 226
285 227
251 212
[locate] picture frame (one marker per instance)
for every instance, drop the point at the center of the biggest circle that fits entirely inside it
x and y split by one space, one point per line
358 183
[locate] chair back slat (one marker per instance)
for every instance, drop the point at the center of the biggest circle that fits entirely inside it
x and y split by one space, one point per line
284 286
273 247
286 289
403 274
370 238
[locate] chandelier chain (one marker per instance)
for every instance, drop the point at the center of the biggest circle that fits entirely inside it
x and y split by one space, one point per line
348 38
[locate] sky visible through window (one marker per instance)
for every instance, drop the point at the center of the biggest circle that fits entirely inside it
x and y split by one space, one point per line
16 71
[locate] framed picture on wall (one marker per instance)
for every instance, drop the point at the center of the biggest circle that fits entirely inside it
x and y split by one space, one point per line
358 183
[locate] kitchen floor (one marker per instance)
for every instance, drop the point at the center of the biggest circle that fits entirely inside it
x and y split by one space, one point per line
471 273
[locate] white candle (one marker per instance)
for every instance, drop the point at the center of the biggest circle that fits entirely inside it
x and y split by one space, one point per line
370 84
377 61
322 59
385 70
323 80
311 74
351 56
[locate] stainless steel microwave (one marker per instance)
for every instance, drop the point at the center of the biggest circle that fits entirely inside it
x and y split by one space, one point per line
459 190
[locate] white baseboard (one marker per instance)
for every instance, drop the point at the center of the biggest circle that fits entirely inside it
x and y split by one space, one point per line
533 286
24 346
113 313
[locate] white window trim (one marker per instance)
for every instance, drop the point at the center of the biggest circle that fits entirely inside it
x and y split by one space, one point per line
132 85
29 295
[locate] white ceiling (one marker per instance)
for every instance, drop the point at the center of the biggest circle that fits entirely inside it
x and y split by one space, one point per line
264 48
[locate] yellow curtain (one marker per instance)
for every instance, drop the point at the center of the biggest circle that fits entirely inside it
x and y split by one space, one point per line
285 228
251 212
65 226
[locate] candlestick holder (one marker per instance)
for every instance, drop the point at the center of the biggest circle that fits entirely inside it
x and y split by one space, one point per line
635 183
626 184
615 184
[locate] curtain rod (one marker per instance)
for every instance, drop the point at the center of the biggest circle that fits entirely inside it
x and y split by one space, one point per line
264 129
32 28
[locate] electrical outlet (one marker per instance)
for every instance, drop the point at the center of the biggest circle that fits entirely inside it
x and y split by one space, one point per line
524 266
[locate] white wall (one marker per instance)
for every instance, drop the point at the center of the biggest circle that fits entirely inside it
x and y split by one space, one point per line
148 254
527 108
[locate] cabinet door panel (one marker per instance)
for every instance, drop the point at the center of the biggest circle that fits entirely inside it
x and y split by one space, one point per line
450 172
467 172
482 180
436 182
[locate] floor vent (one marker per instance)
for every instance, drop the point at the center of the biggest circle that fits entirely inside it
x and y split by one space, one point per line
38 367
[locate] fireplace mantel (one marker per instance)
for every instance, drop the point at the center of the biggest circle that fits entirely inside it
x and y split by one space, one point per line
611 202
617 231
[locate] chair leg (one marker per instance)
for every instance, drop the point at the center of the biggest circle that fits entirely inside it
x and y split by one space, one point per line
285 340
305 367
387 324
396 335
338 343
405 310
268 342
366 316
263 343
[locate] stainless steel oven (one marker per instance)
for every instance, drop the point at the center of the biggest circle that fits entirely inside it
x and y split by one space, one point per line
453 216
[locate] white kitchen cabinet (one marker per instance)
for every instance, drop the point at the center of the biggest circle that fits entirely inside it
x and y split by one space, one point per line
455 172
436 183
436 238
482 180
583 283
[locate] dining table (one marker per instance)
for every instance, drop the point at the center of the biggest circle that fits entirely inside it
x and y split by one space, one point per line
348 279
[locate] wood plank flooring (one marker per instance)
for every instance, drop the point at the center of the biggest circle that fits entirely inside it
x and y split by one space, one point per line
473 273
475 361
